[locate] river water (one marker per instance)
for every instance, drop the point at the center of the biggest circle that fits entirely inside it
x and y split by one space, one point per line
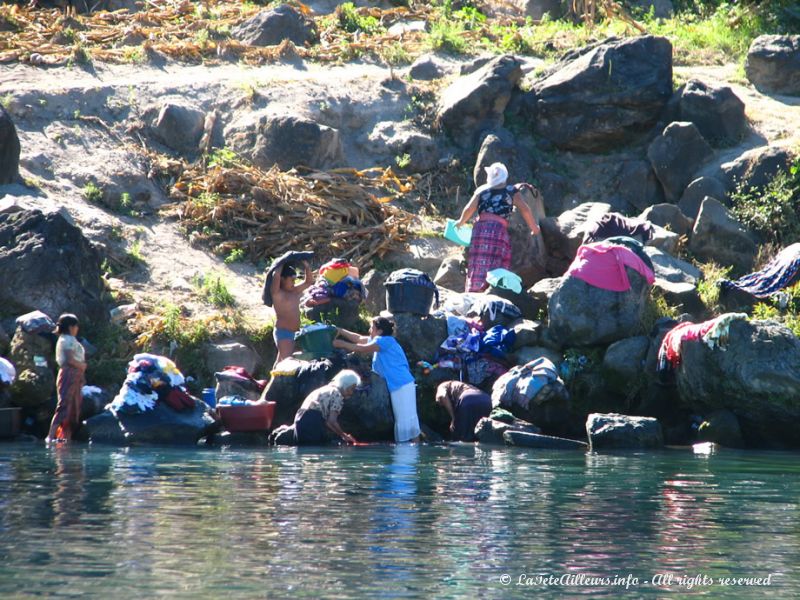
395 522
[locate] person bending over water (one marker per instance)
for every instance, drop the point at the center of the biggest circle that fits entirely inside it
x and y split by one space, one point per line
71 360
321 409
466 405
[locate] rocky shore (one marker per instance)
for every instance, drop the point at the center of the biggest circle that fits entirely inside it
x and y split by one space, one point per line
91 167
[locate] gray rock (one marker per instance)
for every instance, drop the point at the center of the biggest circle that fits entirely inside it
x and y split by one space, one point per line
289 391
669 268
490 431
623 363
615 431
755 168
717 112
582 315
696 192
546 442
404 140
476 102
471 66
451 275
159 426
500 146
719 237
756 376
773 64
606 96
5 342
179 126
676 156
682 295
636 187
549 409
271 27
367 415
33 358
287 141
428 67
526 305
219 356
339 312
526 333
563 235
419 336
556 190
538 9
669 217
721 427
540 293
424 254
528 252
9 149
47 264
376 292
526 354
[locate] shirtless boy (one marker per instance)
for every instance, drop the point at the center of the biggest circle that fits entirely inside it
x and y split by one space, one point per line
286 303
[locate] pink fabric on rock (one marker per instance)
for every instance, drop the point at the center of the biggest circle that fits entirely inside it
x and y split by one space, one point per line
602 265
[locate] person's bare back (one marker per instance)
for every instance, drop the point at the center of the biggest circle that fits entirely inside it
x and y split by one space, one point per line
286 303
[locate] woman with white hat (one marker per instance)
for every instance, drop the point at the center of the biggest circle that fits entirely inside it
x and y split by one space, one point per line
494 202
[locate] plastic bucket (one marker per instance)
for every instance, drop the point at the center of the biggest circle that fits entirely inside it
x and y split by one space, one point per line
252 417
409 298
458 235
210 396
318 342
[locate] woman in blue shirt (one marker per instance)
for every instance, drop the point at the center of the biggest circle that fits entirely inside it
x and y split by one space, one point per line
389 361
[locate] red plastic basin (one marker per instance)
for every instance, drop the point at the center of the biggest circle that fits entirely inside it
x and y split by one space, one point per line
251 417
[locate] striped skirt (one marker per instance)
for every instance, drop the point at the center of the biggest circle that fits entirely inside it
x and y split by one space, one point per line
489 249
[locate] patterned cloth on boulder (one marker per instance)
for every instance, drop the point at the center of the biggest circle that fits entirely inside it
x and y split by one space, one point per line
779 273
612 224
713 333
602 265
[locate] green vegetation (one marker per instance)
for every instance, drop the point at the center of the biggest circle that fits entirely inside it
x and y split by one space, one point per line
707 287
402 161
214 290
235 255
774 211
447 36
351 20
783 307
135 252
656 308
223 157
395 54
92 193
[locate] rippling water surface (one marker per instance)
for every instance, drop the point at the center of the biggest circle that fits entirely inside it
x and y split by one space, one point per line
394 522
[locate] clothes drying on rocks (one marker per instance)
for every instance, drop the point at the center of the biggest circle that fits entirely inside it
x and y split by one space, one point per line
35 322
613 224
602 265
150 379
323 291
236 381
504 279
781 272
491 308
713 333
523 383
633 244
7 371
236 400
335 270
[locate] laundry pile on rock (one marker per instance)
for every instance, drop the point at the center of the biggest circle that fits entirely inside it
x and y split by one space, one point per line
779 273
603 264
151 379
713 333
337 279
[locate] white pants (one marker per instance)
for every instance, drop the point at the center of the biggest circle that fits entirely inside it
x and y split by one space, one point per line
404 406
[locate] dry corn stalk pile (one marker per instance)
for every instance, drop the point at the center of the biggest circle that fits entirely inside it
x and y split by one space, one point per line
182 30
344 212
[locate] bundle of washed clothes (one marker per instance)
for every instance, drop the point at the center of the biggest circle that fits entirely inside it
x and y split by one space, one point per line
602 264
781 272
713 333
151 379
237 387
522 384
335 281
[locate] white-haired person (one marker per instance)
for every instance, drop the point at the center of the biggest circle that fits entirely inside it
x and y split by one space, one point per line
494 202
320 410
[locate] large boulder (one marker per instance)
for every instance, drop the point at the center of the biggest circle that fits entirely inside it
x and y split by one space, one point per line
476 102
293 380
500 146
755 168
160 426
681 295
717 112
367 415
221 355
635 187
373 282
564 234
271 27
773 64
669 217
428 67
541 292
583 315
526 354
676 155
490 431
539 9
756 375
606 96
285 140
545 442
451 275
47 264
32 356
9 149
420 337
721 427
623 363
528 252
696 192
179 126
719 237
403 140
615 431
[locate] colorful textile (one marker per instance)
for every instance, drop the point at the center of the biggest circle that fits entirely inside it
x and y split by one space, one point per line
498 341
602 265
404 407
632 244
150 378
612 224
349 288
69 384
779 273
497 201
490 249
712 332
335 270
390 362
327 399
69 345
505 279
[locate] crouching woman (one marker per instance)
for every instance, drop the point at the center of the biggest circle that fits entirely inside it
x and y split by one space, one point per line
390 362
321 408
466 405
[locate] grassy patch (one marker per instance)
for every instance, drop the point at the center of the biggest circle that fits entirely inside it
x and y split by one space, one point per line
656 308
214 290
92 193
447 36
784 307
707 287
351 20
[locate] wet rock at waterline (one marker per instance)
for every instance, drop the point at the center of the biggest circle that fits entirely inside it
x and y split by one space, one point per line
615 431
